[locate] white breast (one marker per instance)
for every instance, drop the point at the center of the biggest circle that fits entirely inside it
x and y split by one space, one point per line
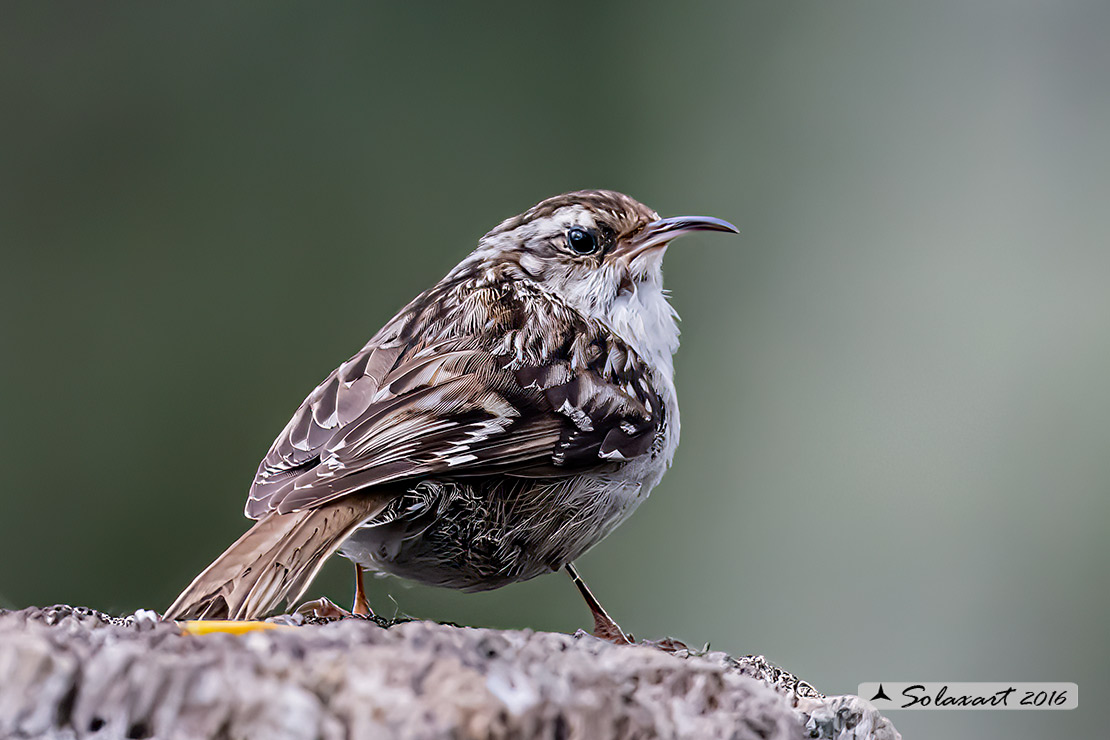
644 318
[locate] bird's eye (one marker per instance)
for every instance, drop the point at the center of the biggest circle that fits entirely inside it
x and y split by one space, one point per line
581 241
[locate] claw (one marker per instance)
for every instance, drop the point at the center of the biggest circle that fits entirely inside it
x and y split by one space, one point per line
606 629
322 608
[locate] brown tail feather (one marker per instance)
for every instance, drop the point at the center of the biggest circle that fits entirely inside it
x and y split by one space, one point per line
275 559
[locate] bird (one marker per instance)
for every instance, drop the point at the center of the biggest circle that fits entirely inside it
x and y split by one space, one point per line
498 427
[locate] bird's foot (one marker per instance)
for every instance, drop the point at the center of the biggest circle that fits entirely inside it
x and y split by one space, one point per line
670 645
604 626
322 608
606 629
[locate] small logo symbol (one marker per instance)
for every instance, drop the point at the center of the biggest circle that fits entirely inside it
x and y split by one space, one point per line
880 694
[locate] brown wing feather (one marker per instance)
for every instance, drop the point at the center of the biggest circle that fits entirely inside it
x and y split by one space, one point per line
557 394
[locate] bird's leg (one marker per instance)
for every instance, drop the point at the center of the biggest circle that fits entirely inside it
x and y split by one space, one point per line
604 626
325 608
361 606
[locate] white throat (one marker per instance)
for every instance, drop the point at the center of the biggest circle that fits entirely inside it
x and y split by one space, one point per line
644 318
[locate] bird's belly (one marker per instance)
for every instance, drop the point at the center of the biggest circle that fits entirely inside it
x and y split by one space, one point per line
481 534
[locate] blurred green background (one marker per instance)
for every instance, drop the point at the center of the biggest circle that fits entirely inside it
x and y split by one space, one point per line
894 384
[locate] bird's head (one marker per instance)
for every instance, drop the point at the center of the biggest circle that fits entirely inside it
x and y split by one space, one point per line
589 247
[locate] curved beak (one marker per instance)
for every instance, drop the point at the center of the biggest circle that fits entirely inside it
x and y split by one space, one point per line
659 233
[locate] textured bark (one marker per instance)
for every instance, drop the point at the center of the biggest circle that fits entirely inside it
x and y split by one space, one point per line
75 673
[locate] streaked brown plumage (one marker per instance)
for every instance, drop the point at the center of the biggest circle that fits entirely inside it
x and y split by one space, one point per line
495 429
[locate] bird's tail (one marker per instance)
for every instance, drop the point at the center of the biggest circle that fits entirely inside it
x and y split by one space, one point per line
276 559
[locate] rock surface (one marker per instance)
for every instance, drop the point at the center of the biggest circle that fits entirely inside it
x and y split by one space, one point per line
75 673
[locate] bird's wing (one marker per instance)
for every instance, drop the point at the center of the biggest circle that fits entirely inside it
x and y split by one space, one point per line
474 381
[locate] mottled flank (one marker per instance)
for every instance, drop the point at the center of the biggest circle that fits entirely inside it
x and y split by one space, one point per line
497 428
